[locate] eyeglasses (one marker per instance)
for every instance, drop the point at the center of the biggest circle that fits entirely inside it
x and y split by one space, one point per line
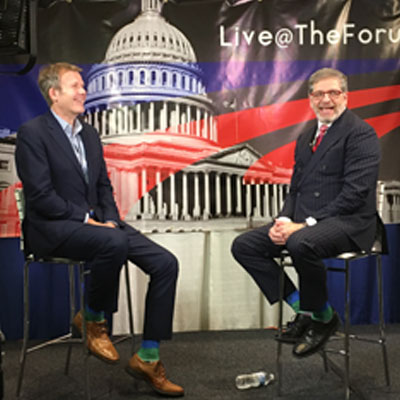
320 94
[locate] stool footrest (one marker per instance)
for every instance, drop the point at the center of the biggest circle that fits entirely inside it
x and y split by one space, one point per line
59 340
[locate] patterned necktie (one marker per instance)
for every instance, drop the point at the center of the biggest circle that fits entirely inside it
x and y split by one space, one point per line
320 135
79 152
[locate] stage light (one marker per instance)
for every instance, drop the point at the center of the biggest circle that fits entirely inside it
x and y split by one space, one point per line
14 32
18 33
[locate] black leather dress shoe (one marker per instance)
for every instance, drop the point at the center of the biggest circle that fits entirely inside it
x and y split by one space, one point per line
295 329
315 337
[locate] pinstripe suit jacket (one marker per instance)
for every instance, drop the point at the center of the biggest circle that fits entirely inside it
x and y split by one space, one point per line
337 183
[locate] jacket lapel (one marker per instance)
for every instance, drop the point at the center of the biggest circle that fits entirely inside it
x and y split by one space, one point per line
88 152
304 152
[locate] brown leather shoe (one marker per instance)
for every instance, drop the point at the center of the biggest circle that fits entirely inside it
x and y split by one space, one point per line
98 342
154 374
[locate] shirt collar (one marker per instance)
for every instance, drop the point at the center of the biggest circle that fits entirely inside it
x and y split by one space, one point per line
321 123
68 128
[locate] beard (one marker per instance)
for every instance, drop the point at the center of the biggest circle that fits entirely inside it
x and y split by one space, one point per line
337 112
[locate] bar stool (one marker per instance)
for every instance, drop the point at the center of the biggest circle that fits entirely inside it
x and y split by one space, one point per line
378 249
76 272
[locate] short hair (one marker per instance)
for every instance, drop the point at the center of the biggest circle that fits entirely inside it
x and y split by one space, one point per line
324 73
49 77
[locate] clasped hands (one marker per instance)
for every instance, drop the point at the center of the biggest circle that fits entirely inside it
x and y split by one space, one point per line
282 229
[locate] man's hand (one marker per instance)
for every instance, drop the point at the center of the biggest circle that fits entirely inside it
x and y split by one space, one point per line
275 234
281 231
108 224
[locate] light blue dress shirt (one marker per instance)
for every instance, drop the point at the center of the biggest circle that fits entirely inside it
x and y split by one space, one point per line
72 133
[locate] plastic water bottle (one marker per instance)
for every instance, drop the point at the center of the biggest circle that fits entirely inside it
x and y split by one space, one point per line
256 379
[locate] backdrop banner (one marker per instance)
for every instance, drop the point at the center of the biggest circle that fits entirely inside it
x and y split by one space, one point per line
191 111
198 104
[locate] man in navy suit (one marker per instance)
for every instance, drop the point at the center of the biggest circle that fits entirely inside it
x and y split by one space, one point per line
71 212
330 209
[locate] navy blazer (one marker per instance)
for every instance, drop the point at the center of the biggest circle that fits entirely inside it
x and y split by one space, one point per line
337 183
56 193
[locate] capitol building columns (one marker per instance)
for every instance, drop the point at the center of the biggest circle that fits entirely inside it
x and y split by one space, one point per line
173 205
198 119
228 195
207 206
198 192
145 195
135 119
185 197
196 209
164 116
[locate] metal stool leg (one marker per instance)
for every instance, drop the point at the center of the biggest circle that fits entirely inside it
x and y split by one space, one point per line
347 332
382 338
279 369
130 309
81 271
22 358
71 276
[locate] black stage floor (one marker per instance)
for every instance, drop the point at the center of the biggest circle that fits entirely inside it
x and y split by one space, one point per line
206 364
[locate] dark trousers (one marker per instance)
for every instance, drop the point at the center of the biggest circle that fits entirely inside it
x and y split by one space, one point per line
106 250
255 251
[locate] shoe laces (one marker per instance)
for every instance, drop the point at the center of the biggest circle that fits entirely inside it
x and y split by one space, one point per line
160 369
101 328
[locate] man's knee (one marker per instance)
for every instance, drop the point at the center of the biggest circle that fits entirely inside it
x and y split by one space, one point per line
117 243
171 264
164 265
239 247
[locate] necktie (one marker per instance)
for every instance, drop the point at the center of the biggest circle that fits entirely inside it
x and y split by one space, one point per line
79 152
320 135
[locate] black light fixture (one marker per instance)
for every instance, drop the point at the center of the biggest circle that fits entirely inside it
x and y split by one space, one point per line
18 30
13 26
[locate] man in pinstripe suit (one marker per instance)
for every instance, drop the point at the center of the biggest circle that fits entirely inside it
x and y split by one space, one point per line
330 209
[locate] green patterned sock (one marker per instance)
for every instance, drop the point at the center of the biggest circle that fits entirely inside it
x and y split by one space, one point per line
93 316
294 301
295 306
325 315
149 354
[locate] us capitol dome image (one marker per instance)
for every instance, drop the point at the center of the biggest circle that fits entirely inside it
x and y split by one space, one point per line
148 101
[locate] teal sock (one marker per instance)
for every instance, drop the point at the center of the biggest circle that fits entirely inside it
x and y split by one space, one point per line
325 315
92 315
294 301
149 351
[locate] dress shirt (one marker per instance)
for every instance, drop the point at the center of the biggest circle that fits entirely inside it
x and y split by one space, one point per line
72 133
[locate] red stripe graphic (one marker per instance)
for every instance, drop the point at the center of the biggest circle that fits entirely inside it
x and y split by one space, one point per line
244 125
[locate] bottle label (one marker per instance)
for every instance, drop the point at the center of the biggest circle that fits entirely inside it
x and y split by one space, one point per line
261 377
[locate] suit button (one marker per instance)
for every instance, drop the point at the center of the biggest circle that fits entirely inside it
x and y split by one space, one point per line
298 194
323 167
316 194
